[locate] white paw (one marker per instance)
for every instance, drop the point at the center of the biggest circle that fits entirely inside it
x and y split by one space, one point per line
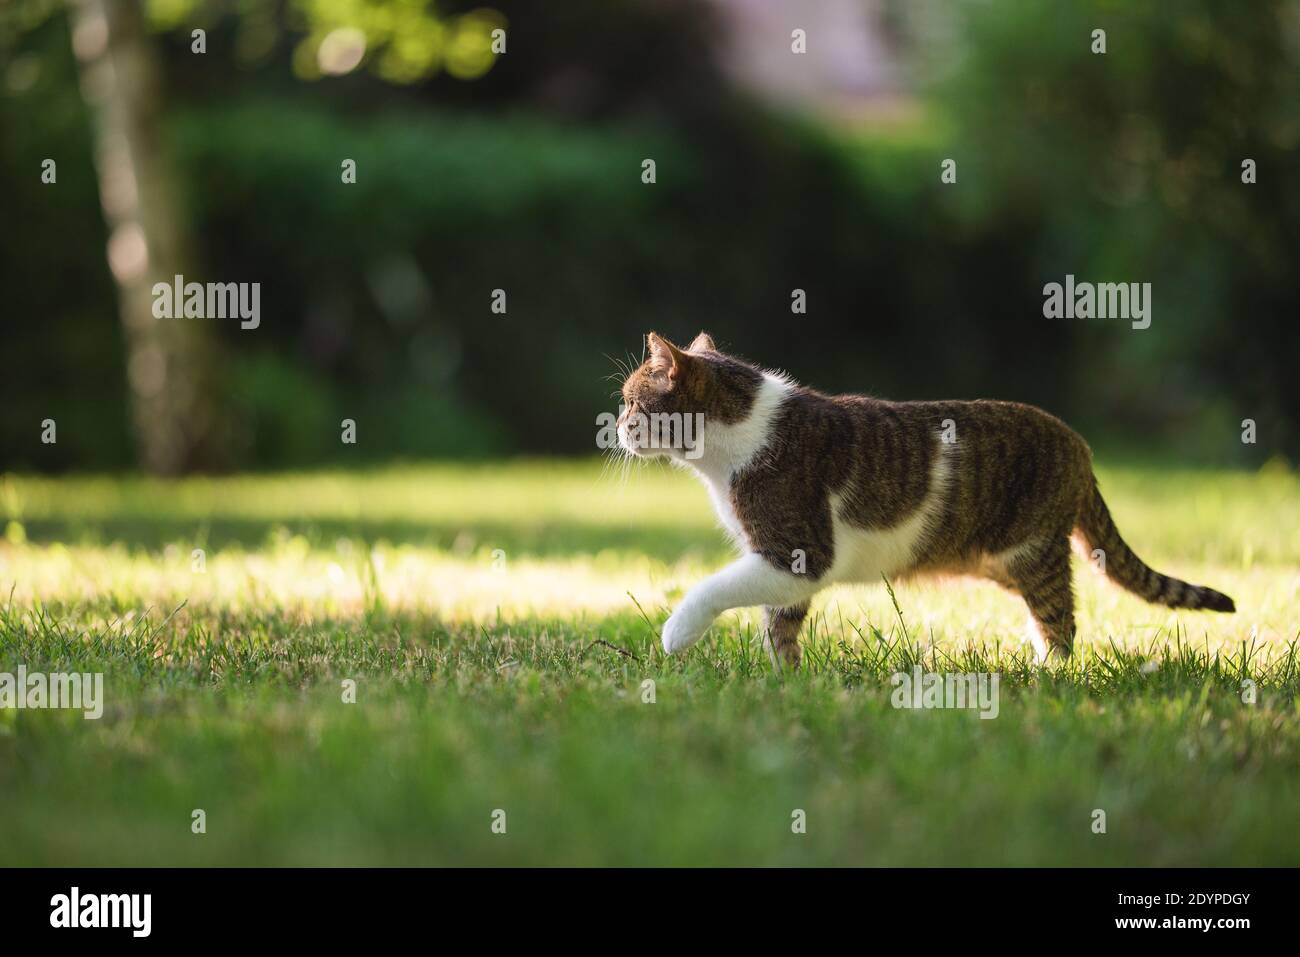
681 630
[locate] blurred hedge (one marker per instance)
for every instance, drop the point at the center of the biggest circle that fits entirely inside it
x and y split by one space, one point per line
375 296
389 281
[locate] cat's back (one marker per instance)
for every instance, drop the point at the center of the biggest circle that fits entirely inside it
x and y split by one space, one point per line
887 456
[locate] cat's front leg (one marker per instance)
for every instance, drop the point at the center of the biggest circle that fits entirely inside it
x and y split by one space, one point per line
749 581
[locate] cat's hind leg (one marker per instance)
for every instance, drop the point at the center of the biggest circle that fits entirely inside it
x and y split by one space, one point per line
1040 572
781 633
745 583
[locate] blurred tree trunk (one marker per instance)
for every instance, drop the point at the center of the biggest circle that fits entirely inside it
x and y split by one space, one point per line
169 362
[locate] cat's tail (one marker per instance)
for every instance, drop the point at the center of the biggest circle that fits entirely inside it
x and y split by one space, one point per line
1127 570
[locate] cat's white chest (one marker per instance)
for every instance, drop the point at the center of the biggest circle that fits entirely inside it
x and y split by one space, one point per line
720 495
727 449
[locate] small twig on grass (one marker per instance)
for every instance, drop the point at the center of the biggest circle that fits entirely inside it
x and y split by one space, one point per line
622 651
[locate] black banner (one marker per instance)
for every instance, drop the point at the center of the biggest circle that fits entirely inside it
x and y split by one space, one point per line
334 906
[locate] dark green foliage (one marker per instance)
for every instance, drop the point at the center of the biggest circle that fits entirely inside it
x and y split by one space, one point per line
1121 167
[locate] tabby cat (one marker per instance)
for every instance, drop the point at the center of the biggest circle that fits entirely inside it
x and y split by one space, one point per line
818 489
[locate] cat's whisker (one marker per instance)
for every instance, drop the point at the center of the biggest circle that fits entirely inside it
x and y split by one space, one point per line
623 370
610 456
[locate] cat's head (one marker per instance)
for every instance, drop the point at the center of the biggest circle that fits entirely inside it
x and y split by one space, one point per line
674 383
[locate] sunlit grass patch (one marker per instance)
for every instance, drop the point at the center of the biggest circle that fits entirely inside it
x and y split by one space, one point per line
500 623
505 543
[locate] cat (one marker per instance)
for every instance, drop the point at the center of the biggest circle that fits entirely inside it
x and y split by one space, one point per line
818 489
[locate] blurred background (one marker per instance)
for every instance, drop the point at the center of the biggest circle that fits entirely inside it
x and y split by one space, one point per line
522 171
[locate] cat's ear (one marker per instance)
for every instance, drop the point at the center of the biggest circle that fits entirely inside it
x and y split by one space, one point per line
667 355
703 343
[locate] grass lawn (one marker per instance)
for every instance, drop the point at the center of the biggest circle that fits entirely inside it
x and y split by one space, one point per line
466 602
